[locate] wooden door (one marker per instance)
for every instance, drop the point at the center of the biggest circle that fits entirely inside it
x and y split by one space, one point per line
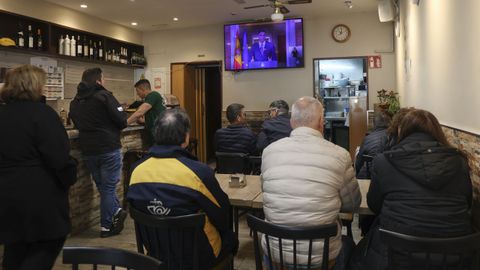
358 122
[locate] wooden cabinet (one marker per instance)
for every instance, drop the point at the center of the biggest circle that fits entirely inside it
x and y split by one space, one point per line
12 23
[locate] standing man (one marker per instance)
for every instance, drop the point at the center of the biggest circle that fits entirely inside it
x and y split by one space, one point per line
263 50
307 181
151 108
100 118
236 137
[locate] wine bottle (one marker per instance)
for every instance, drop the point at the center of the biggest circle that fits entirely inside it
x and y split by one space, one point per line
30 37
90 53
20 37
73 47
100 51
66 46
85 47
39 40
60 45
95 51
79 47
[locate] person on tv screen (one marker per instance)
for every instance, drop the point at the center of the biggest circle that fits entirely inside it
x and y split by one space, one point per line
263 50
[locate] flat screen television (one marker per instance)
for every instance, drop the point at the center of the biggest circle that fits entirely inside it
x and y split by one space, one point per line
266 45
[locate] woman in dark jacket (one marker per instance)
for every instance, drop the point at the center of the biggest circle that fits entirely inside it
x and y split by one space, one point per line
36 172
420 187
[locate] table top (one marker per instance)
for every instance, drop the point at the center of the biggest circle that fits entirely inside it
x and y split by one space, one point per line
242 196
251 195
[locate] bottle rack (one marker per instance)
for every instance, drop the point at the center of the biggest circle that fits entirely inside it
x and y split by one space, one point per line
51 33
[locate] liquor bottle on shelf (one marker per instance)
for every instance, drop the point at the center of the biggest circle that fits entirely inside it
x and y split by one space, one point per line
20 37
100 51
30 37
73 46
90 52
66 46
79 47
95 51
86 50
61 42
114 57
39 40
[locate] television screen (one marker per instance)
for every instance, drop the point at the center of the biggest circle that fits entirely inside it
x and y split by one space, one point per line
265 45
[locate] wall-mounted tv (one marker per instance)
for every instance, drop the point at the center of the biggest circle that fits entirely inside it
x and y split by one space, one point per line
266 45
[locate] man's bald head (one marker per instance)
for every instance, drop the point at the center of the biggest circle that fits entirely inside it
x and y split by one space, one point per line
307 112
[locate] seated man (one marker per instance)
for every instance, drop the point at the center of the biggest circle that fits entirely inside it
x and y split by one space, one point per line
236 138
373 144
172 178
307 181
277 127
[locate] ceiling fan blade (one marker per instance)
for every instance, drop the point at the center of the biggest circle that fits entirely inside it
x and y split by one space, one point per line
294 2
240 1
258 6
284 10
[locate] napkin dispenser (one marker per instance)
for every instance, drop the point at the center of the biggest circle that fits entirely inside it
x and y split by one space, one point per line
237 181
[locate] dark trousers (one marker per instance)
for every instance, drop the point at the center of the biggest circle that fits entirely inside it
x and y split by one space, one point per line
39 255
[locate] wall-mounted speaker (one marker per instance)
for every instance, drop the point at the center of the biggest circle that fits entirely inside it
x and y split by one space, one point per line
386 10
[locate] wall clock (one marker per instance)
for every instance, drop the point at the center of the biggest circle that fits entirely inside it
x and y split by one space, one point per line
341 33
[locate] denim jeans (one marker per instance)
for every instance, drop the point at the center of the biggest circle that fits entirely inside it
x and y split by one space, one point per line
105 170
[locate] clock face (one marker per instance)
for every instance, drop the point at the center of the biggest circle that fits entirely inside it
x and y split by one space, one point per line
341 33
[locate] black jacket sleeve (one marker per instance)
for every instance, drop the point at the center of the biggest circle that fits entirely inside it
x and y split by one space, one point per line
115 110
54 147
375 195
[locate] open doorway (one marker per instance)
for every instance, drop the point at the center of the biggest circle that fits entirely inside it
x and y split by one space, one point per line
342 86
198 86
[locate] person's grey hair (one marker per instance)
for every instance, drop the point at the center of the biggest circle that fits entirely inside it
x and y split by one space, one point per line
281 105
306 110
171 127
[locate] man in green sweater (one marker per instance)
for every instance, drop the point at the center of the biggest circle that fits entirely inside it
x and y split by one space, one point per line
148 111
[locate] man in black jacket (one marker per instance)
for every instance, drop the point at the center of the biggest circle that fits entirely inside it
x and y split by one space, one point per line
277 127
236 137
99 118
373 144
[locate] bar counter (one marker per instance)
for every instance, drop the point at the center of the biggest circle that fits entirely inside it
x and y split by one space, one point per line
84 197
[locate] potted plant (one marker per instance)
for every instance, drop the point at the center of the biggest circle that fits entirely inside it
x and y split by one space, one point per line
389 102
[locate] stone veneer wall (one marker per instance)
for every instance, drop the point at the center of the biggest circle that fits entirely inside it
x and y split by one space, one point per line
470 143
84 197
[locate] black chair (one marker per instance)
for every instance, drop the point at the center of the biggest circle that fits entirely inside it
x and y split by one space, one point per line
109 256
256 164
164 239
232 163
129 158
289 233
413 252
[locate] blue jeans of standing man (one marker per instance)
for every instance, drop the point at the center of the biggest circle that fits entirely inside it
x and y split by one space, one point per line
105 170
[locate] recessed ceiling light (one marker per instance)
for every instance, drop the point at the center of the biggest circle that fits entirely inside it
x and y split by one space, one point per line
83 6
175 19
134 23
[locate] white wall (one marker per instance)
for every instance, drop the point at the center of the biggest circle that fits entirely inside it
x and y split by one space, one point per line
68 17
256 89
438 63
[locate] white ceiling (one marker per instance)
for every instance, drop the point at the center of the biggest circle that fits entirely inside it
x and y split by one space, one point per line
158 14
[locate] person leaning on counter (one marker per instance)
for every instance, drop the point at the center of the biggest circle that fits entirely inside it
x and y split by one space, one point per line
151 108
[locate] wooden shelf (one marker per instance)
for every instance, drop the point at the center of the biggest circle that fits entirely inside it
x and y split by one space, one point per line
51 33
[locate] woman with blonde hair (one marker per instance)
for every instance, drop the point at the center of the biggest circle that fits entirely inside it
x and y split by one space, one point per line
420 187
36 172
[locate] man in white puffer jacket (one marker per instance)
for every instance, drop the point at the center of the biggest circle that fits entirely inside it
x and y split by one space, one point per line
307 180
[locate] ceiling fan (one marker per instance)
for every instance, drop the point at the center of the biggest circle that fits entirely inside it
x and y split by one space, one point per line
279 7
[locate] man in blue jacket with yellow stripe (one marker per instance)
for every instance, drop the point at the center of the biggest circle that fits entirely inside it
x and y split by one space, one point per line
169 181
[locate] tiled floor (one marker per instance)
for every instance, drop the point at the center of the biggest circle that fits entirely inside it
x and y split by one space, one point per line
245 259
